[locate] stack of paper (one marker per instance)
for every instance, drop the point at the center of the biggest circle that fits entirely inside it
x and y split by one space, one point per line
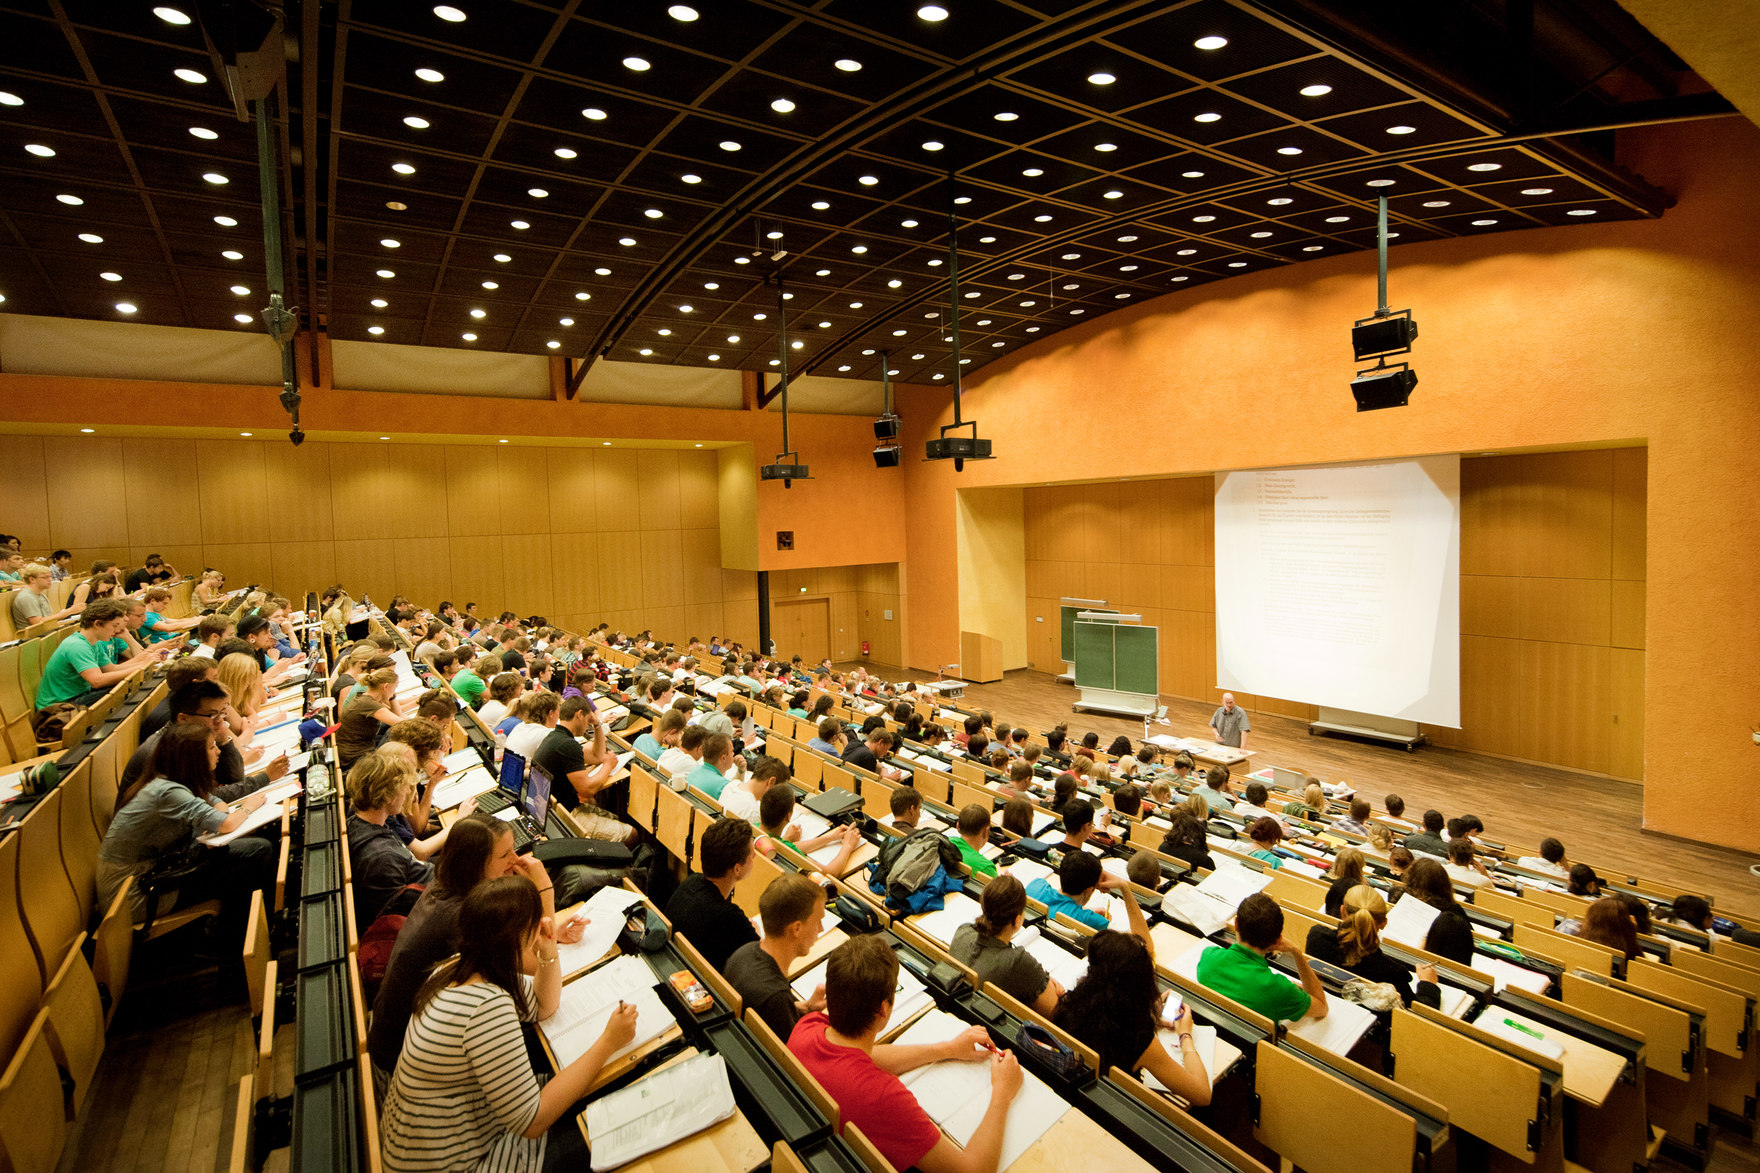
1060 963
645 1117
1028 870
588 1002
1507 976
1211 904
604 912
1408 922
958 909
455 788
1343 1027
956 1094
1204 1039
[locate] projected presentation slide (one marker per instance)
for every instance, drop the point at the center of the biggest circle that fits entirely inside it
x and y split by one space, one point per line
1340 586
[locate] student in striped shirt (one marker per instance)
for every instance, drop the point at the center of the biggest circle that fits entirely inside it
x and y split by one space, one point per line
464 1096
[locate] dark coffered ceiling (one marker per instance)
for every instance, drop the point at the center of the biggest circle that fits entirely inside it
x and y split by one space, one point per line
628 179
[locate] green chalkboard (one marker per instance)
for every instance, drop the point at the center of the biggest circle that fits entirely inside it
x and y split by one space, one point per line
1069 629
1135 660
1095 660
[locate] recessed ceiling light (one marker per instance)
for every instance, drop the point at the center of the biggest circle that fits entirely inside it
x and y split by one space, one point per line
1126 239
898 333
384 437
126 307
88 431
1581 212
796 345
1133 268
380 303
822 272
1112 195
242 319
215 178
1289 150
868 180
759 317
388 242
1316 91
1237 264
733 339
1033 172
1313 248
689 178
1485 167
932 145
935 263
566 153
191 76
638 64
933 13
204 133
241 290
1436 203
855 305
1187 252
1017 276
775 362
962 199
537 193
397 205
1101 79
714 358
1192 174
917 356
711 285
1382 182
430 75
664 332
594 113
1210 42
627 241
1337 219
226 221
1072 256
449 13
386 273
171 15
1180 278
1260 235
652 213
645 352
415 122
479 313
1042 219
894 283
849 64
1280 201
1207 117
491 285
472 338
1006 116
40 151
773 236
71 201
986 240
403 168
1536 191
683 12
1104 147
1484 223
843 368
565 321
729 145
1402 130
246 435
1202 219
502 258
1072 285
553 344
91 238
1032 329
601 272
821 206
111 276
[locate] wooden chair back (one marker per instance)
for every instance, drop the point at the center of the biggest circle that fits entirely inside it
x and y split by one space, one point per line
53 915
78 837
33 1117
76 1022
793 1068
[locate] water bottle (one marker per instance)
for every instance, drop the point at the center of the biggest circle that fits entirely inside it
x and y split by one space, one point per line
500 745
317 781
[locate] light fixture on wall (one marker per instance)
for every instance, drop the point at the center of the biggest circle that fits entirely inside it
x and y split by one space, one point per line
788 468
1382 334
887 451
951 444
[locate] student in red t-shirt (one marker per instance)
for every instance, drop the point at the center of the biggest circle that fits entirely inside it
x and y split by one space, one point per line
837 1046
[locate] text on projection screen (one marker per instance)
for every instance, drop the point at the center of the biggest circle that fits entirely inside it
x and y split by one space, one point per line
1340 586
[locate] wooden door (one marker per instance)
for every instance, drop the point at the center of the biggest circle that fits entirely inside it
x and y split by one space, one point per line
802 627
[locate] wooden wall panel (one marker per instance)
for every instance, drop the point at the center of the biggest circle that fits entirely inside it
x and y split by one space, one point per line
368 567
87 492
360 484
845 625
424 570
299 480
1631 494
620 573
298 567
662 569
1566 610
1567 531
739 618
527 580
1188 521
572 508
1491 605
478 575
158 475
574 574
1491 701
739 584
234 491
1036 507
247 562
1628 614
523 492
699 490
1492 516
878 578
416 495
1102 529
615 482
1625 743
702 620
700 551
473 490
24 487
1566 703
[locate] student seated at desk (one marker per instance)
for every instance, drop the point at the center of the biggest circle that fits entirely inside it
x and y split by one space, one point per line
1583 881
1079 876
971 834
464 1095
1550 861
720 765
366 718
1463 867
1254 805
907 809
424 748
1078 825
871 752
1429 841
743 800
1017 818
502 691
703 908
379 786
792 910
838 1047
1609 922
1214 791
1265 834
831 738
30 605
83 666
1312 804
1354 944
1396 811
1346 873
1020 781
680 759
1451 933
1357 822
652 743
985 945
1242 971
1144 870
581 773
468 683
1116 1007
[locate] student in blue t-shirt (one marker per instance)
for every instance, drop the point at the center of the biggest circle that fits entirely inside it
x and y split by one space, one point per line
155 628
1079 875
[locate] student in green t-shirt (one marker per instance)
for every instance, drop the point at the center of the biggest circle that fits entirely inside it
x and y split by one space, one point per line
970 835
775 810
84 664
1243 970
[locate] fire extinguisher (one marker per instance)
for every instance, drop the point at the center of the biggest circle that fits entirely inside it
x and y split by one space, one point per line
864 647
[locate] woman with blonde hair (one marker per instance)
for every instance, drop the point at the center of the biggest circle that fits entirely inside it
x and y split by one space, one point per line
1313 801
1346 873
242 679
367 717
1354 944
209 589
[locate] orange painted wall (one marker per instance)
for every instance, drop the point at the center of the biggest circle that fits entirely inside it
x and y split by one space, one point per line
1550 337
822 512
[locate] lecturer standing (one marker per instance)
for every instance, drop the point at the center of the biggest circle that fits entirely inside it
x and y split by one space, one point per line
1229 724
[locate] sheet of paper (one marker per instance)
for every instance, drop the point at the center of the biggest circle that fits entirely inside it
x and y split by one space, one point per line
587 1004
1505 975
659 1110
1231 883
462 759
910 995
1455 1000
1204 913
455 788
1523 1032
269 812
811 823
1408 922
956 1095
1343 1027
959 909
604 912
1204 1039
280 791
1060 963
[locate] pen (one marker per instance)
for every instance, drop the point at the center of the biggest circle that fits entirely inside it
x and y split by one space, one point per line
1527 1030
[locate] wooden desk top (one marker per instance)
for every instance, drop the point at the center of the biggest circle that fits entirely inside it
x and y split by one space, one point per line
1590 1072
732 1146
1078 1142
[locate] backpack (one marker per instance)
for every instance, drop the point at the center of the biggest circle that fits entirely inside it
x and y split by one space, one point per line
374 950
915 872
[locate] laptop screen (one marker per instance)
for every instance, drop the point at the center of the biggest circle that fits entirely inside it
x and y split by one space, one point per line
537 794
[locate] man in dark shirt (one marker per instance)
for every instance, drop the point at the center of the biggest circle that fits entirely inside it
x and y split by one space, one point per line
155 571
702 908
577 784
1430 839
793 911
188 670
870 753
205 701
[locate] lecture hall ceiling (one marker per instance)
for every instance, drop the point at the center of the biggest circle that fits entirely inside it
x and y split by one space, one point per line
628 179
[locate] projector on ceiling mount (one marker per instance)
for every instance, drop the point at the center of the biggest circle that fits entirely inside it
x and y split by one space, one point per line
957 448
787 469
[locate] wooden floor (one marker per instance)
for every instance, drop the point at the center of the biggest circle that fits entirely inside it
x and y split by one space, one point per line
1597 819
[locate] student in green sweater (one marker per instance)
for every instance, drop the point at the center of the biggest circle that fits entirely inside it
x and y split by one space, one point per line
970 835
